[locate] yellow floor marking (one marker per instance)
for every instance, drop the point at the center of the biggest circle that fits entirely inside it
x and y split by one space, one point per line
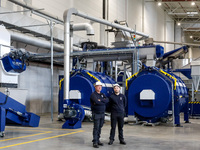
24 130
41 139
25 136
58 129
43 128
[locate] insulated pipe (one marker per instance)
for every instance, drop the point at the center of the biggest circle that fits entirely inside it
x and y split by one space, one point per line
67 17
84 26
177 43
105 22
16 36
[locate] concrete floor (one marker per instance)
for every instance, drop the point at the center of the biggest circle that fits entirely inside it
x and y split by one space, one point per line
50 136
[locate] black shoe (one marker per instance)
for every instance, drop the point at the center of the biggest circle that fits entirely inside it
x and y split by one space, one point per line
95 145
101 144
110 142
123 142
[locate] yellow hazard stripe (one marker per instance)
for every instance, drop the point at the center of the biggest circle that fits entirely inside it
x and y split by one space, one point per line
129 79
93 76
60 83
167 74
194 102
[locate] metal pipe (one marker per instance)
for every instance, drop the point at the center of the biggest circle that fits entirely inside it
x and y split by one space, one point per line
51 33
177 43
105 22
84 26
16 36
67 17
116 70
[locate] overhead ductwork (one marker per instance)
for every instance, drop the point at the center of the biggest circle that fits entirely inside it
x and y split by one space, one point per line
84 26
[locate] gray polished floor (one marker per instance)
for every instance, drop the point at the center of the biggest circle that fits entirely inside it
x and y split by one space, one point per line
50 136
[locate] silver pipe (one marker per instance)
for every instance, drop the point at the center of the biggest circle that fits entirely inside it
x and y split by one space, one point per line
173 103
177 43
116 70
67 17
51 33
84 26
105 22
16 36
102 34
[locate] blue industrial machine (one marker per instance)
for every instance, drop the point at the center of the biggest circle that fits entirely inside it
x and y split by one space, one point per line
15 60
81 81
14 113
154 95
11 111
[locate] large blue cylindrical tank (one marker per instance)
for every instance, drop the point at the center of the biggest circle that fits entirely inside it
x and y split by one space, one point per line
83 81
151 93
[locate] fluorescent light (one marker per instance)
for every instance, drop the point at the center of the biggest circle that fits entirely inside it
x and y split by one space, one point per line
178 23
192 13
192 3
159 3
191 36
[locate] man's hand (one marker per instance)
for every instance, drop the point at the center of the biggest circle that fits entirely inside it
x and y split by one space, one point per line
99 100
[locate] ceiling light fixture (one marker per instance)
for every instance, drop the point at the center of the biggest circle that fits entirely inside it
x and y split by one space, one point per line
178 23
191 36
159 3
192 3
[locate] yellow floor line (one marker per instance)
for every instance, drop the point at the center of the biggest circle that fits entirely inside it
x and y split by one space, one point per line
58 129
25 130
42 128
25 136
41 139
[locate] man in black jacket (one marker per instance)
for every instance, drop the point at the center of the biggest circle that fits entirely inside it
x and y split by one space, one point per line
98 102
117 103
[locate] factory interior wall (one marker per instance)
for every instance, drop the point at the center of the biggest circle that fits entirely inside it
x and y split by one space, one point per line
37 76
195 52
152 20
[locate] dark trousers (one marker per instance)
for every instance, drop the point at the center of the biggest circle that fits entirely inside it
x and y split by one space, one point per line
117 118
98 120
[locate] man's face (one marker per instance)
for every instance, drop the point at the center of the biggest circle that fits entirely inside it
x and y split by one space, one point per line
116 89
98 88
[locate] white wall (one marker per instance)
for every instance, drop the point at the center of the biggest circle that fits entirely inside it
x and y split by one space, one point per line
36 79
148 18
156 23
169 33
195 52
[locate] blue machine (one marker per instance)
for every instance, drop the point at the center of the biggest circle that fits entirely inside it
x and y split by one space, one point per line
11 111
15 65
153 93
81 80
14 113
15 61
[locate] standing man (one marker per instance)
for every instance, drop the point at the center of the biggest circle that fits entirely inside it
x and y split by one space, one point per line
98 105
117 105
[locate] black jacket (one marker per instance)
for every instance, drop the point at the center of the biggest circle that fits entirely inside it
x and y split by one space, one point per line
98 102
117 103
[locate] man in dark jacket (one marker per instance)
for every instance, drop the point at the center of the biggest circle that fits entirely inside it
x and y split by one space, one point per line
98 102
117 103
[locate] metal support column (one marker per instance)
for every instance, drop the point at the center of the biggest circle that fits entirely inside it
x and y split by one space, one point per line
51 33
115 70
135 56
124 79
